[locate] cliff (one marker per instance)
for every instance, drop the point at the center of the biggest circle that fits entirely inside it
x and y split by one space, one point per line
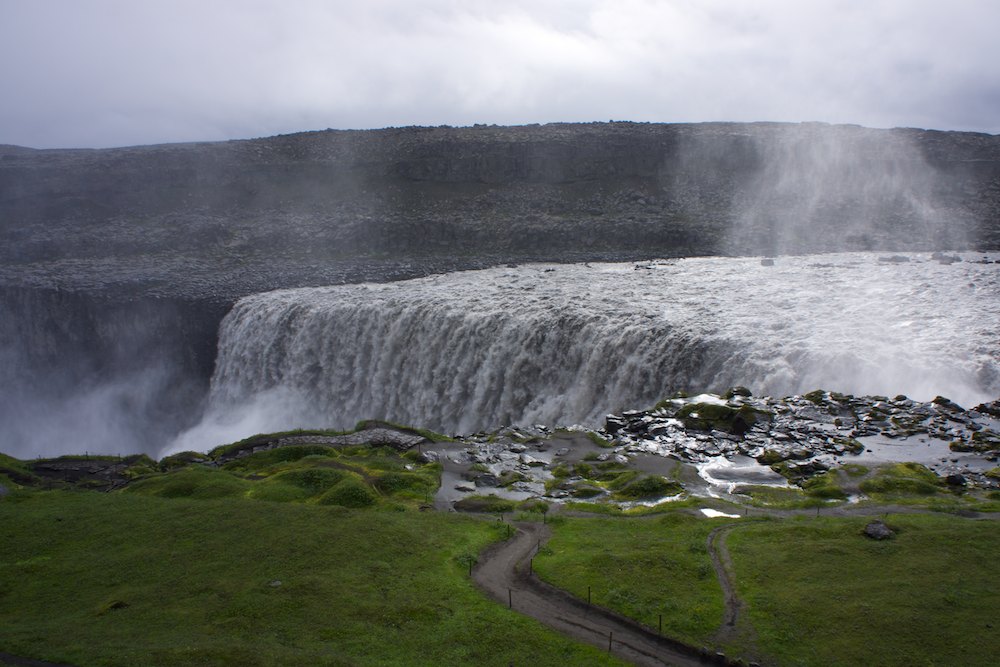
224 219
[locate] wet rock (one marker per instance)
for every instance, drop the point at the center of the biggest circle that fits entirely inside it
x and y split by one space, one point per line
529 460
992 408
487 479
942 258
877 530
613 424
947 404
955 479
738 390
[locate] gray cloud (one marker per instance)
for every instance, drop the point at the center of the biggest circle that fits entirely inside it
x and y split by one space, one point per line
115 72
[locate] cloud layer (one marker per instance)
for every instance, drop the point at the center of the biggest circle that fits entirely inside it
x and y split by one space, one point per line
117 72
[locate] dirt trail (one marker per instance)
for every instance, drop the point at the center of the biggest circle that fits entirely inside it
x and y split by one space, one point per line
503 572
723 567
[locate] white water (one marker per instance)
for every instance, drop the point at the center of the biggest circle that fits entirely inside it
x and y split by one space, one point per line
568 343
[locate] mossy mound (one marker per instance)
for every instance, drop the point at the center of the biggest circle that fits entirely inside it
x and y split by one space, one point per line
648 488
488 504
715 417
350 492
902 478
192 482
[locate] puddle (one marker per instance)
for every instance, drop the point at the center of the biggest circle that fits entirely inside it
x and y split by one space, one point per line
931 452
725 474
715 514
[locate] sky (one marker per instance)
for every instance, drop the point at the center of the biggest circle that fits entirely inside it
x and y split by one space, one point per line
99 73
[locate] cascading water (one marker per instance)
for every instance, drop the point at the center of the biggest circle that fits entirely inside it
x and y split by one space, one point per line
568 343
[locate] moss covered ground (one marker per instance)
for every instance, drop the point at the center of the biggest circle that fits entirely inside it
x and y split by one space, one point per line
819 593
90 578
643 568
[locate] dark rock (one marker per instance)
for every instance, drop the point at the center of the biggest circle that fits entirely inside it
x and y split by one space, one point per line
894 259
947 404
738 390
942 258
955 480
613 424
767 261
992 408
487 479
877 530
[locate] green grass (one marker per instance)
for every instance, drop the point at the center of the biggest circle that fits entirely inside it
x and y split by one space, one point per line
131 579
819 593
824 485
901 479
599 441
348 476
641 568
779 497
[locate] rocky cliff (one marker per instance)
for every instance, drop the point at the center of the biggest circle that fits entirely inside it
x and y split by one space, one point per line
224 219
116 265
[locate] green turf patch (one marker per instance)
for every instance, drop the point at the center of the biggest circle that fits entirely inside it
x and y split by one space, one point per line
820 593
642 568
901 479
130 579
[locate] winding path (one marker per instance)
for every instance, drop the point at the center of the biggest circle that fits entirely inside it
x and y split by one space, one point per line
733 622
504 573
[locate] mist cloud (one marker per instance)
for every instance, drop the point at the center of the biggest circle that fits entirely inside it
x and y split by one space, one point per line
109 72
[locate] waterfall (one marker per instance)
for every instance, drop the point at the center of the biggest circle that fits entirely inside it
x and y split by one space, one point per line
565 344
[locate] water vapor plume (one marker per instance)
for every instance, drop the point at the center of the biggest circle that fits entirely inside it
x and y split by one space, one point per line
818 188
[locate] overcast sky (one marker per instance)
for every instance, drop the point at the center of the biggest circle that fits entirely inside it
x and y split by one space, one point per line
96 73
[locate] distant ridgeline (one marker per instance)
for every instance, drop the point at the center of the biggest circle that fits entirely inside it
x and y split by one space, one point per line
550 192
117 265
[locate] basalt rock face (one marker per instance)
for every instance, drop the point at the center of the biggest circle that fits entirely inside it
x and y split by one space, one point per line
241 216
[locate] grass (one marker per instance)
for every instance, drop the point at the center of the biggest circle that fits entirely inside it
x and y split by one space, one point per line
347 476
641 568
901 479
779 497
129 579
821 594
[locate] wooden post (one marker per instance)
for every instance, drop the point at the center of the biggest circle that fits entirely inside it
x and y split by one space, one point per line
510 599
661 624
610 636
531 566
588 595
471 561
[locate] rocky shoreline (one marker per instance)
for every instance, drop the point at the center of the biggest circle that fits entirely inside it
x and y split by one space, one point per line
704 445
773 441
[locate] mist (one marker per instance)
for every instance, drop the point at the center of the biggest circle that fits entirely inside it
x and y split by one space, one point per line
94 375
563 345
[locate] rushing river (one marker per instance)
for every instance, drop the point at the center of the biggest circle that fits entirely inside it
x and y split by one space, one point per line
561 344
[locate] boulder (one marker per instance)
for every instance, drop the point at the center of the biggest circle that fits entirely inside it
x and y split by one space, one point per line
955 480
613 424
487 479
877 530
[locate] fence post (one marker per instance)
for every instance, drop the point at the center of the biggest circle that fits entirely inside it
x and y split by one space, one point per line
610 635
510 599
